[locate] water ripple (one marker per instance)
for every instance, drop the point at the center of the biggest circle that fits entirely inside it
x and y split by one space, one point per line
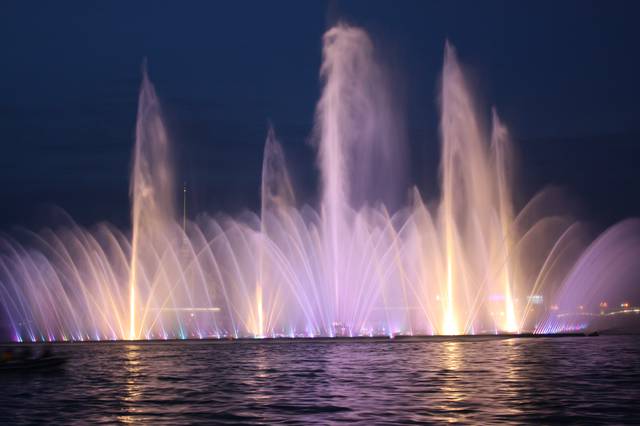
575 380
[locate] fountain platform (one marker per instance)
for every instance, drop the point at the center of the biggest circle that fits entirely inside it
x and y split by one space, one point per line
336 339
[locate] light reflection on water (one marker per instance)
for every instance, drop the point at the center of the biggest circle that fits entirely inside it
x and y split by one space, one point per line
517 380
133 391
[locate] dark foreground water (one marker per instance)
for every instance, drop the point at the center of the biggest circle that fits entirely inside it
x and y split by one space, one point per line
543 380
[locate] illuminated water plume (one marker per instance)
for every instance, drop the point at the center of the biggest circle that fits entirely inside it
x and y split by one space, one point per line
468 262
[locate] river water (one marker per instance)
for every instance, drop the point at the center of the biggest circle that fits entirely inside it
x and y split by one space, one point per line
532 380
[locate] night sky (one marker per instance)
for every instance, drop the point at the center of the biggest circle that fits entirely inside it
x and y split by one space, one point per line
564 76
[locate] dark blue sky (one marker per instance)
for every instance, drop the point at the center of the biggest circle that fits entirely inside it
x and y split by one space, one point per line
563 75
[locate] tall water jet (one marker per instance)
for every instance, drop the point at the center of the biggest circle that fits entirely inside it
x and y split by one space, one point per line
276 196
360 146
151 189
476 207
500 151
469 262
462 170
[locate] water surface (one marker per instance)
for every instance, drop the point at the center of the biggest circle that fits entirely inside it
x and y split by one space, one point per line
541 380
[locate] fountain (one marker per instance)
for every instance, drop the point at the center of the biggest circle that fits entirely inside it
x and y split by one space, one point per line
468 263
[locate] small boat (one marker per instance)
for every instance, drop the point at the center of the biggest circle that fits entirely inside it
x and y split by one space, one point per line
24 363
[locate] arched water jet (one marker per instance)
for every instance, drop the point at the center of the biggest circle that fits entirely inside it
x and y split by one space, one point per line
468 262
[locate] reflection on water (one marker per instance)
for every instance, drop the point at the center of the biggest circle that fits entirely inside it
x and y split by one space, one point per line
133 390
261 377
452 389
516 381
511 372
